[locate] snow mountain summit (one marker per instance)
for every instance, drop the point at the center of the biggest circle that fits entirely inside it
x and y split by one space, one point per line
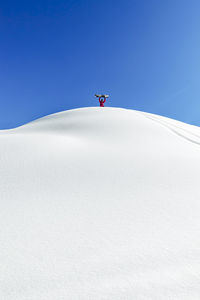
100 204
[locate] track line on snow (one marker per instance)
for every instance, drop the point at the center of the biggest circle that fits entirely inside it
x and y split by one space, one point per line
171 128
165 122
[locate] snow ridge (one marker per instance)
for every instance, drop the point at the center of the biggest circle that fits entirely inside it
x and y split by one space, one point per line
100 203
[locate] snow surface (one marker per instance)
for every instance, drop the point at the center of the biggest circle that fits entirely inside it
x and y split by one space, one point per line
100 204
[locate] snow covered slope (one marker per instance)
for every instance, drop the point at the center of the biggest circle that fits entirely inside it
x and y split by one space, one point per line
100 204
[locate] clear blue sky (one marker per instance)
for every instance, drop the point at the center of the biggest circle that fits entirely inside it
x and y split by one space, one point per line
55 54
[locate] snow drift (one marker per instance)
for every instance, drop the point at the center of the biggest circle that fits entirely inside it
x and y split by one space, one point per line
100 203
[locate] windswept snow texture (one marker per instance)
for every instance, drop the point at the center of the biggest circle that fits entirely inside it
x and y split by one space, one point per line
100 204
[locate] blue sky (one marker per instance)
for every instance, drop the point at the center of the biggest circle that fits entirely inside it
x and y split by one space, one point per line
55 55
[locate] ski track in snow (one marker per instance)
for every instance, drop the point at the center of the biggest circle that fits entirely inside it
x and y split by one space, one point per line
174 128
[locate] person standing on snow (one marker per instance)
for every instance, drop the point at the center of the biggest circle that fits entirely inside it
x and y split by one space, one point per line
102 99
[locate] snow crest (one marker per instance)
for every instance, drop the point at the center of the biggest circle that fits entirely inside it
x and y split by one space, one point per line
100 203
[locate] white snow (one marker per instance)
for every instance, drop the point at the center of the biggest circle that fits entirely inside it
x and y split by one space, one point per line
100 204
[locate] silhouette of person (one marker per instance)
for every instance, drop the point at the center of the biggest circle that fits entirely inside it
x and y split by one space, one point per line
102 100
